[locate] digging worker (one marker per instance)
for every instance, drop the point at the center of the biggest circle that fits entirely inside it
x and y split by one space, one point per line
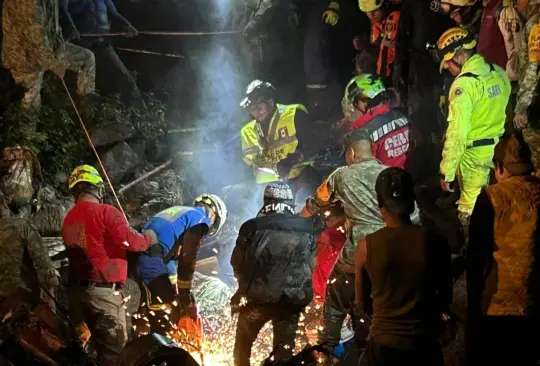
33 44
354 186
273 261
478 98
180 231
274 135
367 102
97 237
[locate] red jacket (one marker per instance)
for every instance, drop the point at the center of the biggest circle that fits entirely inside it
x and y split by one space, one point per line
329 246
97 237
490 39
389 130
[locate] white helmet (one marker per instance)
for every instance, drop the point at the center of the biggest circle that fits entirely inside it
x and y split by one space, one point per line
217 205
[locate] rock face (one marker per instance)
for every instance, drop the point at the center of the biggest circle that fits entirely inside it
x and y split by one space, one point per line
120 160
111 134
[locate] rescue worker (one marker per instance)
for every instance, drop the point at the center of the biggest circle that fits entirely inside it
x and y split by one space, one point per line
367 100
478 99
526 110
276 134
273 261
420 83
90 16
354 186
270 41
498 30
97 237
33 44
318 38
23 254
502 280
180 231
466 13
384 28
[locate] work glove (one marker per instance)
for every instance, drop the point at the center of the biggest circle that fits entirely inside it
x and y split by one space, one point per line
131 30
331 15
285 165
447 186
59 70
73 34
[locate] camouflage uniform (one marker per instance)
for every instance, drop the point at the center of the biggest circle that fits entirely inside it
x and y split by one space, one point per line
33 44
529 58
19 240
354 186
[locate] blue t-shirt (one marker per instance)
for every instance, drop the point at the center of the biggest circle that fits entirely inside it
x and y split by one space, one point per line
168 225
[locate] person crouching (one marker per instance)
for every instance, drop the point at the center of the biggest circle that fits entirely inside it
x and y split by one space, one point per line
273 262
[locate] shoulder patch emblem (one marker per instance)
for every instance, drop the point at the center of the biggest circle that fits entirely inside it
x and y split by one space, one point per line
534 44
458 92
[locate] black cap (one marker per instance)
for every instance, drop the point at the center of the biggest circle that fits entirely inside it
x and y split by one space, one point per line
354 136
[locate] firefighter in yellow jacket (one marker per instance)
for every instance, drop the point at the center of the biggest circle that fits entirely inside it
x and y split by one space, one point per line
478 98
270 141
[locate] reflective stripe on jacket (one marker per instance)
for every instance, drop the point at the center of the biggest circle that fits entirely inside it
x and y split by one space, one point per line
478 99
265 150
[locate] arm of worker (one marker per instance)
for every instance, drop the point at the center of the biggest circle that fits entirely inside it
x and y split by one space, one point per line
510 25
39 254
68 25
459 124
362 285
31 11
124 236
324 196
191 244
238 258
113 12
528 76
479 250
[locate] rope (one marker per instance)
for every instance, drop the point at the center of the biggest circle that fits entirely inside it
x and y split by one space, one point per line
150 52
94 149
117 34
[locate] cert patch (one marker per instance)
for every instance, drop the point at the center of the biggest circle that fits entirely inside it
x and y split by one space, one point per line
283 132
458 92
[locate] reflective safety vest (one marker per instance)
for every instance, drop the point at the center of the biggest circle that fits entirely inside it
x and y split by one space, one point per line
265 152
387 51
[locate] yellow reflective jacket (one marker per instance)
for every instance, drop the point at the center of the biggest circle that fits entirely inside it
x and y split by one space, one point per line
265 150
478 99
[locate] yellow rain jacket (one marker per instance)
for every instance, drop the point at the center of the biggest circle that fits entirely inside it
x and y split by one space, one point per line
265 150
478 99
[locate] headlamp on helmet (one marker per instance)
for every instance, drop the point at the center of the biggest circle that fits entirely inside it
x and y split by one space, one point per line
257 92
217 206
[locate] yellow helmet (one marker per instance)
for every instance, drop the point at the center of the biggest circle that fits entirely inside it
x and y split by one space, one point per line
369 5
450 42
460 3
85 173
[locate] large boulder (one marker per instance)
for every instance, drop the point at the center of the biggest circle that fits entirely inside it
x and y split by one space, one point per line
119 161
111 134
